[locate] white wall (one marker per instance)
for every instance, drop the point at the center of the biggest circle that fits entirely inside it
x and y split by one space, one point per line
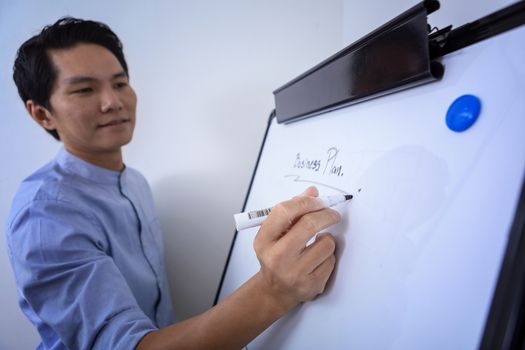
204 72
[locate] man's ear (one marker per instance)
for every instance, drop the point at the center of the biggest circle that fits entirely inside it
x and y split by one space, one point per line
41 115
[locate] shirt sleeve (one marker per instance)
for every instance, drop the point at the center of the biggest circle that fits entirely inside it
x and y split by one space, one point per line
64 271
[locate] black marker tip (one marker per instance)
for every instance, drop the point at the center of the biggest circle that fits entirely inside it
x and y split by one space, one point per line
348 197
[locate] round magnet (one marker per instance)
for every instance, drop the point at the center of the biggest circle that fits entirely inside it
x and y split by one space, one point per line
463 112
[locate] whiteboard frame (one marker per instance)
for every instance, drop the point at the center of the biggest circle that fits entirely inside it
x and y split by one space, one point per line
505 325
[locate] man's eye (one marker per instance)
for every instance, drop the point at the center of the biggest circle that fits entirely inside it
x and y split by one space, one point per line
120 85
83 90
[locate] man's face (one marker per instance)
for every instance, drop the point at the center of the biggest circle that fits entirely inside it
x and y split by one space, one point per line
92 104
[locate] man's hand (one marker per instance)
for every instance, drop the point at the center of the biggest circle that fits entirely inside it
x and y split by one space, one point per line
292 271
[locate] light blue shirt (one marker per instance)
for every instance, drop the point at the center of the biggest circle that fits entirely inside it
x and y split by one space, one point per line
86 249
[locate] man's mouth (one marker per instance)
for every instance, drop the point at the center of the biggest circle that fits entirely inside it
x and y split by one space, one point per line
113 122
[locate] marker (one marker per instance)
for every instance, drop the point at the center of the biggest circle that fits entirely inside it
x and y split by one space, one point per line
256 217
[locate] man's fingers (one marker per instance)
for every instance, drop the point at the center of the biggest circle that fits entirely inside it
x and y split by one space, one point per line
285 214
316 253
322 273
307 226
310 191
289 266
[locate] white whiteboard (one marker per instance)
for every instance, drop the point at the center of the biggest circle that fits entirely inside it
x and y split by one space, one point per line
420 246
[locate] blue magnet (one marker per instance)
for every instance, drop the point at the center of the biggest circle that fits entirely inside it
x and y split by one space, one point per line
463 112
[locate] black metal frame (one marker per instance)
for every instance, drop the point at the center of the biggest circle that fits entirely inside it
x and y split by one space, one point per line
359 72
505 326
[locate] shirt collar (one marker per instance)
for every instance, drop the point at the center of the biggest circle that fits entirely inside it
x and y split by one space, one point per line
79 167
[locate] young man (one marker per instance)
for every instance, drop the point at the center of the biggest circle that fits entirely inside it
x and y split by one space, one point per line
83 237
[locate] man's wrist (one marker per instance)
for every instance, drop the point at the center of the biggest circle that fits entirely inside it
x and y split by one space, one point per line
277 303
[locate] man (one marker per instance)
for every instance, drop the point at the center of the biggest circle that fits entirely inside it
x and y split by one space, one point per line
83 237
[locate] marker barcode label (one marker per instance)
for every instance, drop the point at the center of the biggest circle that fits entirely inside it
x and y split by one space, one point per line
258 213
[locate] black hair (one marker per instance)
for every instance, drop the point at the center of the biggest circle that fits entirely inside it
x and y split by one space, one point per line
34 73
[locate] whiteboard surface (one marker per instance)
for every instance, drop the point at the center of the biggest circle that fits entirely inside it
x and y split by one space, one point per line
420 245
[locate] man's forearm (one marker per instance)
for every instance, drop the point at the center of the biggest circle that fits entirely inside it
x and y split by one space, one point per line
230 324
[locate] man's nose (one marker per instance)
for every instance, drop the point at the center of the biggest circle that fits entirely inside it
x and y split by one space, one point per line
110 101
